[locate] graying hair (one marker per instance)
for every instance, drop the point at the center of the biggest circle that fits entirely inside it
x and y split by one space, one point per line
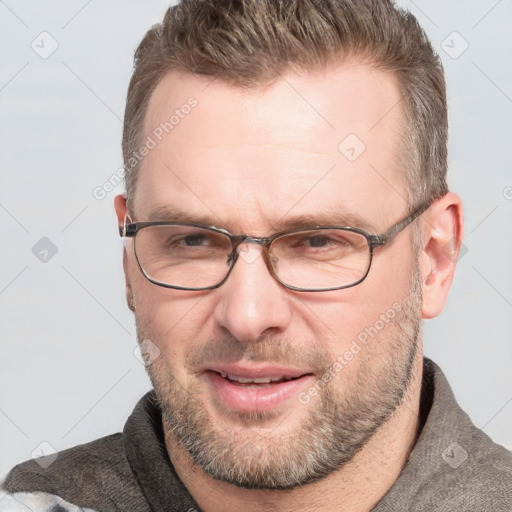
249 43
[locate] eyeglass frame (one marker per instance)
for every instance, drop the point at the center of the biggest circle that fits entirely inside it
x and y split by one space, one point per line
130 230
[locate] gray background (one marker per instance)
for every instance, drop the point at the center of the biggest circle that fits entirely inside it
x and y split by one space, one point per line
68 373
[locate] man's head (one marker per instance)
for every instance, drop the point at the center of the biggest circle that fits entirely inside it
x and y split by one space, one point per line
303 126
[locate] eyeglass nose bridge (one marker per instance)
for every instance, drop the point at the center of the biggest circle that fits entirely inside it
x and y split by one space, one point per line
238 240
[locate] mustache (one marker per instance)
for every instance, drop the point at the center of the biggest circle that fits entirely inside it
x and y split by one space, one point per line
268 349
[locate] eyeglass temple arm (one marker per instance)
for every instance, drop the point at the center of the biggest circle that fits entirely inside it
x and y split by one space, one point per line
125 230
386 237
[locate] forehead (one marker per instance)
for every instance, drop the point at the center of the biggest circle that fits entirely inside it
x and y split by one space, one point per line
306 144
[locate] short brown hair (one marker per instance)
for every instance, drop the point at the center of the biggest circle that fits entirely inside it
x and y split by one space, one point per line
249 43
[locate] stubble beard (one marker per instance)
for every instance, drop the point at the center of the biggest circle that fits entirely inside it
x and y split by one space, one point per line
335 429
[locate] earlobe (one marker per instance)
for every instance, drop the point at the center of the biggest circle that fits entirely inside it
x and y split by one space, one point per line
442 235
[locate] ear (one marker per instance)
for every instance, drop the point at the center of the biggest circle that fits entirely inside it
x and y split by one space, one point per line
121 212
442 233
121 208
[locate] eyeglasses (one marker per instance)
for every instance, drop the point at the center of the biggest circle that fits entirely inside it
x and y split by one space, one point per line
189 256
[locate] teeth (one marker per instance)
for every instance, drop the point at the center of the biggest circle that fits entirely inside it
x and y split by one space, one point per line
259 380
262 380
242 380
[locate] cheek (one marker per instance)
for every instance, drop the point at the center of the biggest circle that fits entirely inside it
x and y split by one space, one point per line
163 310
367 312
340 318
175 321
392 271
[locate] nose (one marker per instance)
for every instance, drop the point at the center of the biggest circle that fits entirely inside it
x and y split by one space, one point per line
251 302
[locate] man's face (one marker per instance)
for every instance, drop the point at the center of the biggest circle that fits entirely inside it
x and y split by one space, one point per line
320 146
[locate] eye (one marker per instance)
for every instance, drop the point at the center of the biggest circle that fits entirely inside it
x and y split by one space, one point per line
322 244
317 241
194 240
321 240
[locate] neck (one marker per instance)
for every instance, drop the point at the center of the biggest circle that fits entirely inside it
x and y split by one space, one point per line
356 487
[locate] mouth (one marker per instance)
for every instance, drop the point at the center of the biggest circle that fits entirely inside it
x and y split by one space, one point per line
244 389
257 382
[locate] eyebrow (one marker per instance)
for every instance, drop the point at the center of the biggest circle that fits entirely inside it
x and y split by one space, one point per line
172 214
332 217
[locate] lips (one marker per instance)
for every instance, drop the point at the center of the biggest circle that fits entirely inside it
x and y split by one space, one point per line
254 389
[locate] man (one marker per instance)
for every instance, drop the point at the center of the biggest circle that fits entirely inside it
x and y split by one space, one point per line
288 226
